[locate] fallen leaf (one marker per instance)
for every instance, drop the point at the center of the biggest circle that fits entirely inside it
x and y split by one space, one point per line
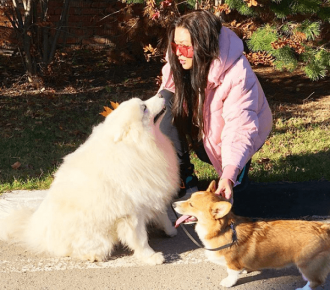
114 105
251 2
108 110
263 160
16 165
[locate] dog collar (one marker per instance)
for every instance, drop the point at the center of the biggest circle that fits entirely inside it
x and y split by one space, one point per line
234 239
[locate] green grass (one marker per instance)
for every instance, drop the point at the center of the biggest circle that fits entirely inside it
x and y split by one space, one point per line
298 149
39 128
39 132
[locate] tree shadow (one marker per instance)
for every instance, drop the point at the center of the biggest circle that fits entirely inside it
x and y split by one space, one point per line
293 88
40 127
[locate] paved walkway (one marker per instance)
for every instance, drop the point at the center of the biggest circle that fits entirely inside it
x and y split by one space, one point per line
186 267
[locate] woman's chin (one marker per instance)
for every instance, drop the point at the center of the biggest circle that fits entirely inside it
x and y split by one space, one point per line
186 66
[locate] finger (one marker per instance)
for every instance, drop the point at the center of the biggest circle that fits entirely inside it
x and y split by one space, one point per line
228 193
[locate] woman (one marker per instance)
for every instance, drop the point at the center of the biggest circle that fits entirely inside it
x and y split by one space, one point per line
214 99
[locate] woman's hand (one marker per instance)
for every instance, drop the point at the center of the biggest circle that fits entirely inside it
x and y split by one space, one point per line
225 188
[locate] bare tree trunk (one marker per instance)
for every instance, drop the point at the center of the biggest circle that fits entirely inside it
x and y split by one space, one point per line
62 22
29 19
45 31
23 26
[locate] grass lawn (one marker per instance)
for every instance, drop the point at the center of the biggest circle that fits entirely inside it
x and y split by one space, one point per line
298 148
40 126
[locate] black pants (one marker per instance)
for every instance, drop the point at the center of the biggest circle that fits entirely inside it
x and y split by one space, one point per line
182 149
179 142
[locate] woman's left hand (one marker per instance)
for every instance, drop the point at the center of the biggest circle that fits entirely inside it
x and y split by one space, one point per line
225 188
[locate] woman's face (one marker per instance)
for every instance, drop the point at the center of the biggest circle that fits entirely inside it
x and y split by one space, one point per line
182 37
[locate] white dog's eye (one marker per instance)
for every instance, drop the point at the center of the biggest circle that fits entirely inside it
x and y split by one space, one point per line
144 107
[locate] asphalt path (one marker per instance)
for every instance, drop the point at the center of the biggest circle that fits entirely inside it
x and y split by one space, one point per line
185 267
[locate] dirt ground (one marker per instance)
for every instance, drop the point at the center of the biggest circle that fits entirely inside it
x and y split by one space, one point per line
92 72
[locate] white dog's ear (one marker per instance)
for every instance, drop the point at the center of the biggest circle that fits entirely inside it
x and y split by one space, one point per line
120 133
220 209
212 187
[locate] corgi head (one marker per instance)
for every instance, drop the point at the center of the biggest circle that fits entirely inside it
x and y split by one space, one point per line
202 207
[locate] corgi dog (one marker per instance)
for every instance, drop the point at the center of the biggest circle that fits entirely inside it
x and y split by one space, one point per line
256 245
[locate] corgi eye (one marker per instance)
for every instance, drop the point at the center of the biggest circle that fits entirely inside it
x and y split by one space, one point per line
190 204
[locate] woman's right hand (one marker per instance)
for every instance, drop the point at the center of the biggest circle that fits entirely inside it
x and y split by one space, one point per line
225 189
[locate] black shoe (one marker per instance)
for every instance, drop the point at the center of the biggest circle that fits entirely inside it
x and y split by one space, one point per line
189 185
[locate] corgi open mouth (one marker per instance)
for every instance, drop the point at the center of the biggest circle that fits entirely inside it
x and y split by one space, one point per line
187 219
159 114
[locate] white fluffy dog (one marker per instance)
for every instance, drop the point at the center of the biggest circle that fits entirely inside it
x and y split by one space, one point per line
106 192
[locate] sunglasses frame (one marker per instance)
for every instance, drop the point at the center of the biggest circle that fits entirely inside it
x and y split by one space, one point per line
186 51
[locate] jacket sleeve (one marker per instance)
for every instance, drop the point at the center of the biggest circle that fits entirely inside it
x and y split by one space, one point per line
167 79
240 132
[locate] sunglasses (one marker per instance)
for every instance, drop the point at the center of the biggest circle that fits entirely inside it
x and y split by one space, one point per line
186 51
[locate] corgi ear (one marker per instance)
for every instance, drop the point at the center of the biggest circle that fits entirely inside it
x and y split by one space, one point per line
212 187
220 209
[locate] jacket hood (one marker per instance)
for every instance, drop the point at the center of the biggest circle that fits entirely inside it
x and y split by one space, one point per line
230 49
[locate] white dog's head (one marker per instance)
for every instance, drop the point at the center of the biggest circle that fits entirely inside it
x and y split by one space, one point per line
134 116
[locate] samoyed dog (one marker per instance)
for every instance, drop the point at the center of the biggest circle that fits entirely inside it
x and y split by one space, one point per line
124 176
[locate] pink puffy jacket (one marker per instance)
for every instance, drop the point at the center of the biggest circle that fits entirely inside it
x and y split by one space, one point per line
237 117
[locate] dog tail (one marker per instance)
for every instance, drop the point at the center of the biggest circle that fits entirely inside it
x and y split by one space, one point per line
14 225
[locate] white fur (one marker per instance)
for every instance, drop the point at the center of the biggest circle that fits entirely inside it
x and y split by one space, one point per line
306 287
106 192
214 257
231 279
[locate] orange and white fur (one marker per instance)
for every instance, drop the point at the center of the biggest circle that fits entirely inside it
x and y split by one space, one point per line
260 244
106 191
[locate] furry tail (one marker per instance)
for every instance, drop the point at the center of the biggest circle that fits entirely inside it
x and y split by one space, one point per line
13 226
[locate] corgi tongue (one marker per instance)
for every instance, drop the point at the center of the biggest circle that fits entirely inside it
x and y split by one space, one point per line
181 219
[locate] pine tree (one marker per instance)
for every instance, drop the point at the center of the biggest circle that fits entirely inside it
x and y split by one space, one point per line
288 34
290 31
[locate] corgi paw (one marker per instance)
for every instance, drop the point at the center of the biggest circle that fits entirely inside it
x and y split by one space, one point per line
228 282
245 271
155 259
306 287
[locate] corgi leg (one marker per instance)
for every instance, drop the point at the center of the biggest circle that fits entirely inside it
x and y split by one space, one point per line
315 271
231 279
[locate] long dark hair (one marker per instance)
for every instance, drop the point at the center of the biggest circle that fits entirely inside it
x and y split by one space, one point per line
187 108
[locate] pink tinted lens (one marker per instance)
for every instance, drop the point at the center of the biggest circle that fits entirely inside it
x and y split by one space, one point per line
186 51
